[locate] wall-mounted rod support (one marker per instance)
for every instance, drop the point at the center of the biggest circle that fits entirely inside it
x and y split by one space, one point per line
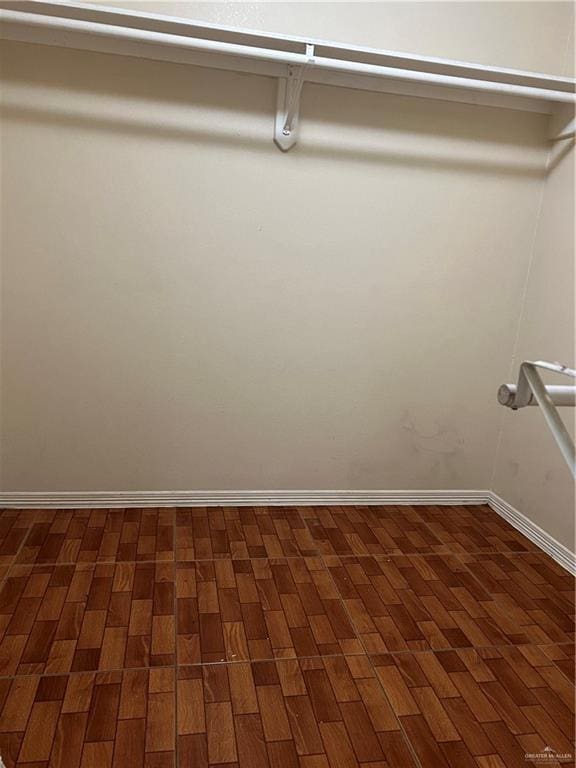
293 91
531 387
288 103
294 101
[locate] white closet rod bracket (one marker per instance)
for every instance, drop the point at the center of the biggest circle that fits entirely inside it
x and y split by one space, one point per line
531 388
288 103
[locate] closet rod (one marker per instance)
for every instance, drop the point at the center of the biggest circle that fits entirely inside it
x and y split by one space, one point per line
562 396
290 59
531 387
284 57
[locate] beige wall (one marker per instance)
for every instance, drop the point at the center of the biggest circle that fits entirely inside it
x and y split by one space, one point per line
523 35
184 307
530 472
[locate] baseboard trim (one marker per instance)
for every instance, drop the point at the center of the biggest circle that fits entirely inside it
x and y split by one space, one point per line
89 499
120 499
558 552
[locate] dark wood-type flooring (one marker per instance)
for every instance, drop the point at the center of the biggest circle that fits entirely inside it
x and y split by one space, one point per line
313 637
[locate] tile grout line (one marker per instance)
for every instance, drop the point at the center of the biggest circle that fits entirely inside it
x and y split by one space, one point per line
433 651
174 562
268 557
544 645
478 552
368 657
95 673
431 553
274 659
458 557
320 555
93 564
366 653
513 645
20 548
572 683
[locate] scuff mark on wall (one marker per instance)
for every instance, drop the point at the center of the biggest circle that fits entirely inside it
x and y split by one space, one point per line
514 468
434 438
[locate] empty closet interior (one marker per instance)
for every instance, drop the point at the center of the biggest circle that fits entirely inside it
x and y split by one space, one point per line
287 387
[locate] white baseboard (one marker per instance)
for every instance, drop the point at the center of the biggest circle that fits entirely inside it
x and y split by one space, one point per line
539 536
83 499
95 499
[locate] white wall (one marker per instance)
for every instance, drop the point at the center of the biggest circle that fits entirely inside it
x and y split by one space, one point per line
186 307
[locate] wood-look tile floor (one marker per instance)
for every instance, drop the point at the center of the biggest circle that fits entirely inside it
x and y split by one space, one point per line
313 637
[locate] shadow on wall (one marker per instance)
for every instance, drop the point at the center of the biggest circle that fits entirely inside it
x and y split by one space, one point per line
81 90
331 151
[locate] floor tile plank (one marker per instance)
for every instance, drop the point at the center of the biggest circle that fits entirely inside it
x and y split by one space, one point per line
99 535
374 530
473 528
331 720
532 597
62 618
487 723
92 729
208 533
414 602
281 637
15 525
259 609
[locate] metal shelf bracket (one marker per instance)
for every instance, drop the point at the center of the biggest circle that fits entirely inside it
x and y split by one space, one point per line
288 103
